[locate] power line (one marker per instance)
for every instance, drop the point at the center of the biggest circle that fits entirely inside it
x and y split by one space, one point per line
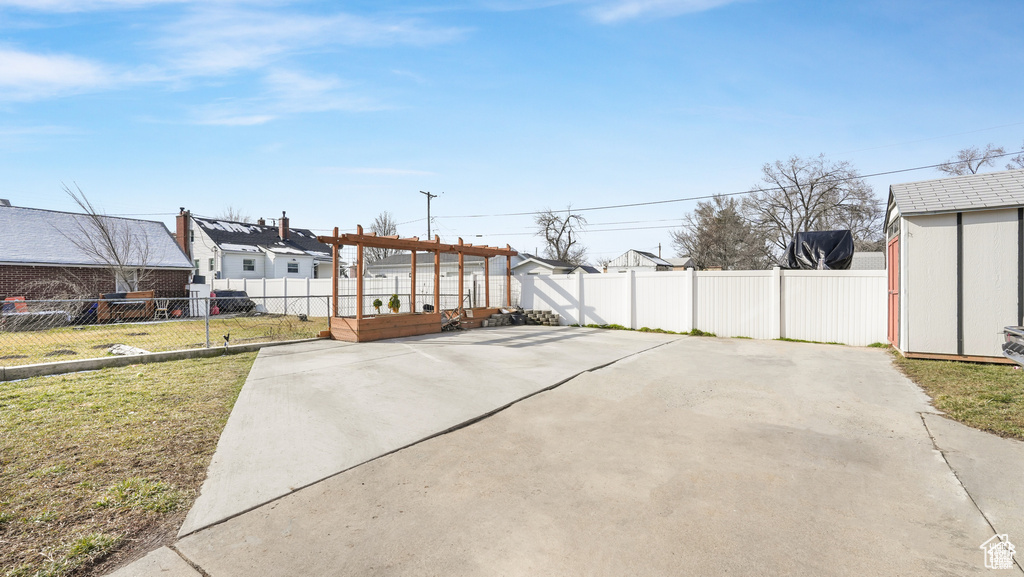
707 196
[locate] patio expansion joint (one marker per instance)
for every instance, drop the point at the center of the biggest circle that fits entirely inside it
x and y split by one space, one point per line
935 445
451 429
190 563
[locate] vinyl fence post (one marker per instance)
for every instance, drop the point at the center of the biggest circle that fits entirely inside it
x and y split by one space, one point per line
631 298
775 326
265 309
307 297
207 316
692 281
580 315
284 299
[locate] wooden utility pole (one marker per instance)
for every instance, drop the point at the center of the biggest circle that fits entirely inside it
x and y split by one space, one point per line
429 196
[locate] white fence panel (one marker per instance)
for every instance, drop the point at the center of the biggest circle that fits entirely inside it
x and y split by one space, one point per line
841 306
735 303
664 300
604 299
556 293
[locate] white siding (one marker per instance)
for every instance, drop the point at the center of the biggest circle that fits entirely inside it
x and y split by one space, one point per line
664 300
929 291
990 279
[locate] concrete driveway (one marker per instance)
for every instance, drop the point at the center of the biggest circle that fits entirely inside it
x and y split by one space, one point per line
685 455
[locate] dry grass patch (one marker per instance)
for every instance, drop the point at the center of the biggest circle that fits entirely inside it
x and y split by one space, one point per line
97 464
91 341
986 397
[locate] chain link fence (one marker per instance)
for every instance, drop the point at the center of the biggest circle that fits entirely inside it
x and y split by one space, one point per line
39 331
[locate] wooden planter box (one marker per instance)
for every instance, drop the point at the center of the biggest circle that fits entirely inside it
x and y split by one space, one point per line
386 326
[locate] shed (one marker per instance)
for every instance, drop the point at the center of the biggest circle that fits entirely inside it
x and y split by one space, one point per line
637 260
955 248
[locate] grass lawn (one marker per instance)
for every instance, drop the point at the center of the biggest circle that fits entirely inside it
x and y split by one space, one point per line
99 465
986 397
91 341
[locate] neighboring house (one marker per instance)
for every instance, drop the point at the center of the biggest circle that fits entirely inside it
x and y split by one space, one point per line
585 269
638 260
399 265
868 261
530 264
35 250
680 263
955 249
226 249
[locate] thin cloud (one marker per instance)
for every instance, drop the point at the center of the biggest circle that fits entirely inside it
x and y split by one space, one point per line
29 76
287 92
209 42
612 12
95 5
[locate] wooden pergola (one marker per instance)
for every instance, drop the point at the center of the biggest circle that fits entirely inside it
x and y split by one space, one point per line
372 328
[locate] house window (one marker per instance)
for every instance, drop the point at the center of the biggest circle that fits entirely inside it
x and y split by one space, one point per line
196 263
293 267
249 264
316 270
211 264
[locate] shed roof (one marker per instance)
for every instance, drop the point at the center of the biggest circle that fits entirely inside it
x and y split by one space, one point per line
37 236
960 193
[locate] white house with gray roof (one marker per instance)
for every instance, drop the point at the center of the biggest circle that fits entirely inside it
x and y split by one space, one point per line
955 252
227 249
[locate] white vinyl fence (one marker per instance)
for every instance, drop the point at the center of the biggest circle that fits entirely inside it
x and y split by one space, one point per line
844 306
298 291
847 306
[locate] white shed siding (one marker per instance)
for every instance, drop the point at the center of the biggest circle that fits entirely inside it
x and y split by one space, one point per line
990 279
929 291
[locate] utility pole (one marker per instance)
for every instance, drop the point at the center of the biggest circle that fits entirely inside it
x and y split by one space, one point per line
429 196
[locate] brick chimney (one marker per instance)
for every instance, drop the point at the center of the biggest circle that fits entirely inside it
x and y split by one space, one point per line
282 227
184 231
261 222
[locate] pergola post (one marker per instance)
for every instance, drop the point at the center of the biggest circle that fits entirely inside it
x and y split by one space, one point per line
412 291
334 277
508 280
487 283
437 277
461 274
359 274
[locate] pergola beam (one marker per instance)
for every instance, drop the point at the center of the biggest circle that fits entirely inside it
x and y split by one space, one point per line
371 240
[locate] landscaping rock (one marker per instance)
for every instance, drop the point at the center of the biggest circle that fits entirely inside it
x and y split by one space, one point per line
126 350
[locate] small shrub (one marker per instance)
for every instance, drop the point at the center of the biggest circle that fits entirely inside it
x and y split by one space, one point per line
879 345
699 333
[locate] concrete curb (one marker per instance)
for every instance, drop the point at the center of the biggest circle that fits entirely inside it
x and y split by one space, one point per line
43 369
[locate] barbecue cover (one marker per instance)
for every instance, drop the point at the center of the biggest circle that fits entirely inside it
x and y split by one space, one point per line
820 250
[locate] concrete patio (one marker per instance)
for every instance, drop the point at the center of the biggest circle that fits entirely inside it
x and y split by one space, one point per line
659 455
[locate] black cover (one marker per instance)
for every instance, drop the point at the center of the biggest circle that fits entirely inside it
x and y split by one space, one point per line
820 250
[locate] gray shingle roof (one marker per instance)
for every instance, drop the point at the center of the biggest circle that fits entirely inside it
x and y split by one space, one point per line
35 236
230 235
960 193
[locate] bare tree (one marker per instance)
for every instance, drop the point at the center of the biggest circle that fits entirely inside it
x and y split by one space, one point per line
561 234
969 160
800 195
716 234
234 215
383 225
122 248
1016 161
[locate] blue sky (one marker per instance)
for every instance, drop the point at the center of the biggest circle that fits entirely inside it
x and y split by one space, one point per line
336 111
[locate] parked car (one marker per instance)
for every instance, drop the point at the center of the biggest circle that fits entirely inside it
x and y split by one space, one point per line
232 301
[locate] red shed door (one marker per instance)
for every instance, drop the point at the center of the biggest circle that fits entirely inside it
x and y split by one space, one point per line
893 262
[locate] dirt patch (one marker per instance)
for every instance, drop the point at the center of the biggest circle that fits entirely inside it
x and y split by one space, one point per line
137 334
60 353
104 346
13 357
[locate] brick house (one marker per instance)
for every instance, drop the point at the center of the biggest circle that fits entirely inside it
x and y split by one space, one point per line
38 260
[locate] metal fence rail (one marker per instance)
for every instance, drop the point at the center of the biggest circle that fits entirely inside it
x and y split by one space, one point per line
55 330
